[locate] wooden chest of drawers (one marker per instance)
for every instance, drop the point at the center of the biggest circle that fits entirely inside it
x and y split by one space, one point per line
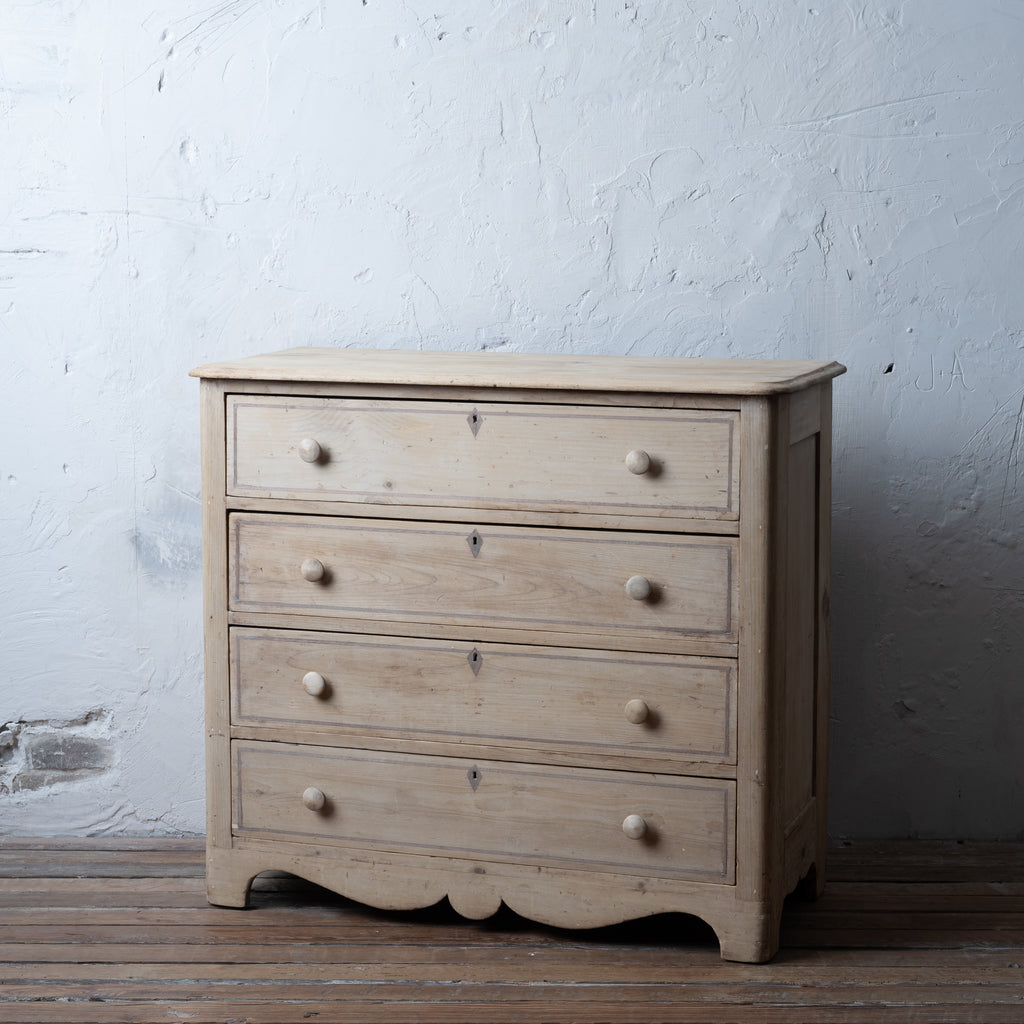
536 629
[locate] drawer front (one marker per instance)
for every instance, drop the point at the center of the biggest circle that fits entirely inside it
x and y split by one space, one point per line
535 698
515 577
486 810
546 458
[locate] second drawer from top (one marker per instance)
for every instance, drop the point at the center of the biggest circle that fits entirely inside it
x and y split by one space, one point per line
515 577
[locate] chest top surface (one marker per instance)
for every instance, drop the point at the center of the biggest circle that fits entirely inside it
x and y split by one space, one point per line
652 374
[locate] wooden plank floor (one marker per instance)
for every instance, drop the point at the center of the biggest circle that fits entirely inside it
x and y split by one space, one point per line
119 931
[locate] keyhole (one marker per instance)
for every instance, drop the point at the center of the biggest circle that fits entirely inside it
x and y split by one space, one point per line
475 541
474 419
474 777
475 659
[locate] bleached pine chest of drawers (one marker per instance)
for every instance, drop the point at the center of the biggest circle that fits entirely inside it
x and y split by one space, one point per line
544 630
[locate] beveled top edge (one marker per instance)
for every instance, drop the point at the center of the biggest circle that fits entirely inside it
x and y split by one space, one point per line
658 374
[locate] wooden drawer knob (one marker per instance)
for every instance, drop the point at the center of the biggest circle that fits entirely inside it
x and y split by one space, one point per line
634 826
314 799
638 462
309 450
636 711
314 684
638 588
313 570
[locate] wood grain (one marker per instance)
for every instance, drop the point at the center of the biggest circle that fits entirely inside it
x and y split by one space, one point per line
485 455
496 370
83 949
516 577
485 810
593 528
215 602
540 700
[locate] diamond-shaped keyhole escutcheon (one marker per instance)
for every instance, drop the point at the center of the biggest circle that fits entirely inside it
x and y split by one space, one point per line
474 777
475 542
475 659
474 419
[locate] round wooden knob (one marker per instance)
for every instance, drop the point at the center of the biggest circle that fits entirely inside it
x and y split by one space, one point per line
313 570
634 826
315 800
314 684
309 450
636 711
638 462
638 588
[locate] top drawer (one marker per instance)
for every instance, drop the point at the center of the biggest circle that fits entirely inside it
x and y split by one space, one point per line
682 464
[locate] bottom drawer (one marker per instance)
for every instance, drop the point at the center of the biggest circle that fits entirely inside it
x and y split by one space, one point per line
486 810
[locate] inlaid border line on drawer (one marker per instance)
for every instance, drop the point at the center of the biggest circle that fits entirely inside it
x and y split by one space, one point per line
576 625
728 419
724 790
728 670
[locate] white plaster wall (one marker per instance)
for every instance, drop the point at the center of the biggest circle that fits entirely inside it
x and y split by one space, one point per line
186 181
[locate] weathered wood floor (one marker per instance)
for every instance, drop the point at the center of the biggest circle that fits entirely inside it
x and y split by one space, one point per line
103 931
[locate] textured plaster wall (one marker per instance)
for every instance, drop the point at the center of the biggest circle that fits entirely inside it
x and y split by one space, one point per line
187 181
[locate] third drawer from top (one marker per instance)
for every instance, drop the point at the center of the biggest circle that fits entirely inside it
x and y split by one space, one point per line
536 700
